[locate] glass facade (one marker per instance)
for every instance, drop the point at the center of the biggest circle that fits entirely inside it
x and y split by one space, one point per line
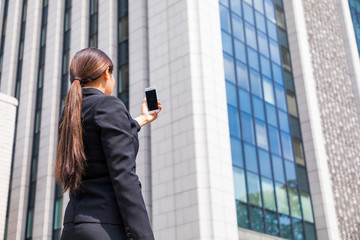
17 96
93 26
123 52
37 125
58 198
3 35
270 177
355 15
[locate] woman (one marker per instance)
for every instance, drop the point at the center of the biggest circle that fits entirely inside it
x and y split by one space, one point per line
96 156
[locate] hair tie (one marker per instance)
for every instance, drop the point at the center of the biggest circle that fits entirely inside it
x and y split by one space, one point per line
77 79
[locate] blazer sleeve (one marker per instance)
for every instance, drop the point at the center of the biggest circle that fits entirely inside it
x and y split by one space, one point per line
114 121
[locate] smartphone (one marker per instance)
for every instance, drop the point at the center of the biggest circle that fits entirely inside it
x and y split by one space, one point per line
152 99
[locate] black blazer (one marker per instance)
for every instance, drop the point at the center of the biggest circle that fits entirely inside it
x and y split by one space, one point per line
110 190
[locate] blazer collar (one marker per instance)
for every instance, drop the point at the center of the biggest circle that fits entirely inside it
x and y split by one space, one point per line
91 91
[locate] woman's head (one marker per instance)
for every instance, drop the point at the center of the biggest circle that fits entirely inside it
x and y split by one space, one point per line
88 67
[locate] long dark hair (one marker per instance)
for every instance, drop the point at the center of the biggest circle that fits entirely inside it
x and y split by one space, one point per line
86 66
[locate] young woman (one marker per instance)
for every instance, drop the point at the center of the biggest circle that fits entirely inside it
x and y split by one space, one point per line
96 154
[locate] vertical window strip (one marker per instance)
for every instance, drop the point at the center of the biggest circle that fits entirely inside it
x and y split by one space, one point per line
3 31
233 20
17 96
93 25
58 199
123 52
37 124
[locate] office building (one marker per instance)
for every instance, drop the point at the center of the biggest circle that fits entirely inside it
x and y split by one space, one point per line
259 133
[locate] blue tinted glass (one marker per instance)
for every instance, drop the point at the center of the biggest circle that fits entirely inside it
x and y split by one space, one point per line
229 68
240 52
248 128
272 223
250 158
265 66
261 134
265 164
236 152
257 219
242 75
298 229
245 103
248 13
280 97
278 169
242 215
258 108
258 4
271 114
254 192
274 140
225 2
277 73
294 202
287 146
231 94
272 30
225 19
263 44
284 121
236 6
268 91
285 226
238 28
260 22
290 173
239 184
268 193
234 124
274 52
255 80
269 10
253 59
250 36
248 1
226 42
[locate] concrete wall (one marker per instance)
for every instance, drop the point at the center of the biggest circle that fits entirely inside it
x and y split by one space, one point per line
8 107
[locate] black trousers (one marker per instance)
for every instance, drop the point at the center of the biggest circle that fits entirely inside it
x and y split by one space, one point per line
93 231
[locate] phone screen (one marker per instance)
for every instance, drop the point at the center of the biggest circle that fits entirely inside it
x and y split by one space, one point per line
151 99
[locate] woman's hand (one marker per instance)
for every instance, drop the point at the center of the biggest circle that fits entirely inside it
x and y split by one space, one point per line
145 116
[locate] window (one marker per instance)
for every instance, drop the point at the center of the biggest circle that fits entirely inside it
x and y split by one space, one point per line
250 158
268 192
248 13
229 68
236 152
236 6
227 43
240 51
238 28
242 75
234 123
254 193
247 128
258 108
245 102
239 184
231 94
261 134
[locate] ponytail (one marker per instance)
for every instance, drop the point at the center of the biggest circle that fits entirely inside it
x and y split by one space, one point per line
71 159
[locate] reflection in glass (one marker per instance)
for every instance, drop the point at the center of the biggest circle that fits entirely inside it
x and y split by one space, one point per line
290 173
268 91
227 42
269 10
253 58
287 146
268 194
281 197
272 223
285 226
263 44
248 13
265 66
258 108
247 128
240 52
261 134
280 97
234 123
236 6
291 104
298 229
250 158
236 152
225 19
254 193
260 21
255 80
310 231
242 215
274 51
245 102
258 4
283 121
238 27
265 164
294 203
250 36
257 219
274 140
231 94
239 184
242 75
306 207
229 68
